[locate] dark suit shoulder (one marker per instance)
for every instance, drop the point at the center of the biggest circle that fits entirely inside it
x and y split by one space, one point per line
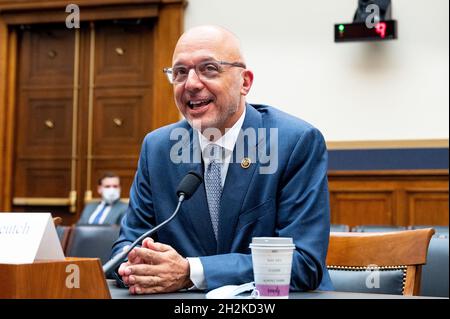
121 204
89 208
163 133
289 126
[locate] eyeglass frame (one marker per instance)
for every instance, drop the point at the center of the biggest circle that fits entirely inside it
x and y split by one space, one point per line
169 70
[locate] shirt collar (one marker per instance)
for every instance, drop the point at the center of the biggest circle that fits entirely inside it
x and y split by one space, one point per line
228 140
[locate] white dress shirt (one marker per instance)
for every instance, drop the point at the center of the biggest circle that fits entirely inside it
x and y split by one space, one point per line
227 142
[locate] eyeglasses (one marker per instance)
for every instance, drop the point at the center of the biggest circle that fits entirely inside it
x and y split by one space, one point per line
207 70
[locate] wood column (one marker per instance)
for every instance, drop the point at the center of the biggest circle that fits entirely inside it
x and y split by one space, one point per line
168 29
8 54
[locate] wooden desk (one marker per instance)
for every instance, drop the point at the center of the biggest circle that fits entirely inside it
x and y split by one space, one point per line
120 293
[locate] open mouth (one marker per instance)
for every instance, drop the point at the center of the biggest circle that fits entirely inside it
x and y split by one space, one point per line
198 104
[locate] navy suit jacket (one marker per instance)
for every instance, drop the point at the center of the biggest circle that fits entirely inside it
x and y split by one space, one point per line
290 202
114 216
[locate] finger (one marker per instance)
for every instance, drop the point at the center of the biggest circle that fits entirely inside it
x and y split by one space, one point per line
122 268
131 255
144 281
142 270
148 256
137 290
146 241
133 258
159 246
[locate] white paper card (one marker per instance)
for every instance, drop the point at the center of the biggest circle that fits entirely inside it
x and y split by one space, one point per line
27 237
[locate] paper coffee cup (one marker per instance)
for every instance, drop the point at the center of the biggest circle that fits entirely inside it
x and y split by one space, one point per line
272 264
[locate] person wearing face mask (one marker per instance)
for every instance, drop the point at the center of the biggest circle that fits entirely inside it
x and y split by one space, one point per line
111 209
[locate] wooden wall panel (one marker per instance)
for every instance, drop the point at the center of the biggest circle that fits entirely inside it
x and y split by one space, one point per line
428 208
389 197
363 207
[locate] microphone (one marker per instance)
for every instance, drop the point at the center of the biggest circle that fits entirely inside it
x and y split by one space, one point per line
187 187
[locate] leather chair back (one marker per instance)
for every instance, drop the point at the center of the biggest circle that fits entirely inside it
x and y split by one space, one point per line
63 233
435 272
92 241
384 263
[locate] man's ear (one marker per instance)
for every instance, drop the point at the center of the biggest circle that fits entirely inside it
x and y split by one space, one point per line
99 190
247 83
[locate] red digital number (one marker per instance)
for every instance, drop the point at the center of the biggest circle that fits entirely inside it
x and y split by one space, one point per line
380 28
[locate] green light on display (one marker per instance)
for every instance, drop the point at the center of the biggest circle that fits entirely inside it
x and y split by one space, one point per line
341 28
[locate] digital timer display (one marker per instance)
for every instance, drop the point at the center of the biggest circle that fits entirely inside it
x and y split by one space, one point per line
383 30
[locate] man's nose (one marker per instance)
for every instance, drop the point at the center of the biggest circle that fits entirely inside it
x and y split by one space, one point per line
193 81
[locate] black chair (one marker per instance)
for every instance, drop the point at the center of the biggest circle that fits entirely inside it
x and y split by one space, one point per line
63 233
377 228
435 272
339 228
440 231
92 241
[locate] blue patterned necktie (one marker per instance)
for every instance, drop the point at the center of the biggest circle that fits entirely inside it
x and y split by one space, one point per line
213 183
99 215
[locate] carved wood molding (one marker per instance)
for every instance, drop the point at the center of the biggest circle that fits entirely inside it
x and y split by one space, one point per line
18 5
27 12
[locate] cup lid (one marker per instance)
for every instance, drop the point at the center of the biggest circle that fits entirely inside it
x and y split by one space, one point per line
285 242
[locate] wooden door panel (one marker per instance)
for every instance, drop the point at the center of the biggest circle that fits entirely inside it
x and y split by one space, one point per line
114 110
42 170
121 121
122 111
42 178
47 55
123 53
45 124
117 81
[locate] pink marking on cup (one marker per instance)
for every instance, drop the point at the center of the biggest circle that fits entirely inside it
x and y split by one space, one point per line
273 290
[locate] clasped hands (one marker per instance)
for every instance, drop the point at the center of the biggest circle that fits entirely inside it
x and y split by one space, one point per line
155 268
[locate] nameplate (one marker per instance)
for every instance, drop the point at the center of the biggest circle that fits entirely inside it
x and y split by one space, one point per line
28 237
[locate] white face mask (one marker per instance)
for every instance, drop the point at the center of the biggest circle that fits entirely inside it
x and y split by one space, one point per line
110 194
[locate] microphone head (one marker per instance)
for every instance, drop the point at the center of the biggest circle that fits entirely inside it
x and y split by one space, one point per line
189 184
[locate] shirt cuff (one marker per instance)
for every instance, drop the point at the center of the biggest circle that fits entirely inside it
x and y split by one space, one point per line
197 276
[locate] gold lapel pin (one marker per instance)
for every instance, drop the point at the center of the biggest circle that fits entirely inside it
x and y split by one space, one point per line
246 162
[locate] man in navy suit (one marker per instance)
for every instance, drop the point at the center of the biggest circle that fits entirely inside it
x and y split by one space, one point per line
110 210
265 175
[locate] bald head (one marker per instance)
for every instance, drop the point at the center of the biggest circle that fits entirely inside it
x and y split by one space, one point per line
210 39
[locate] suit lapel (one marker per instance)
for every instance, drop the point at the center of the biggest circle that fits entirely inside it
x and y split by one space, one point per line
195 210
237 183
111 218
111 215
